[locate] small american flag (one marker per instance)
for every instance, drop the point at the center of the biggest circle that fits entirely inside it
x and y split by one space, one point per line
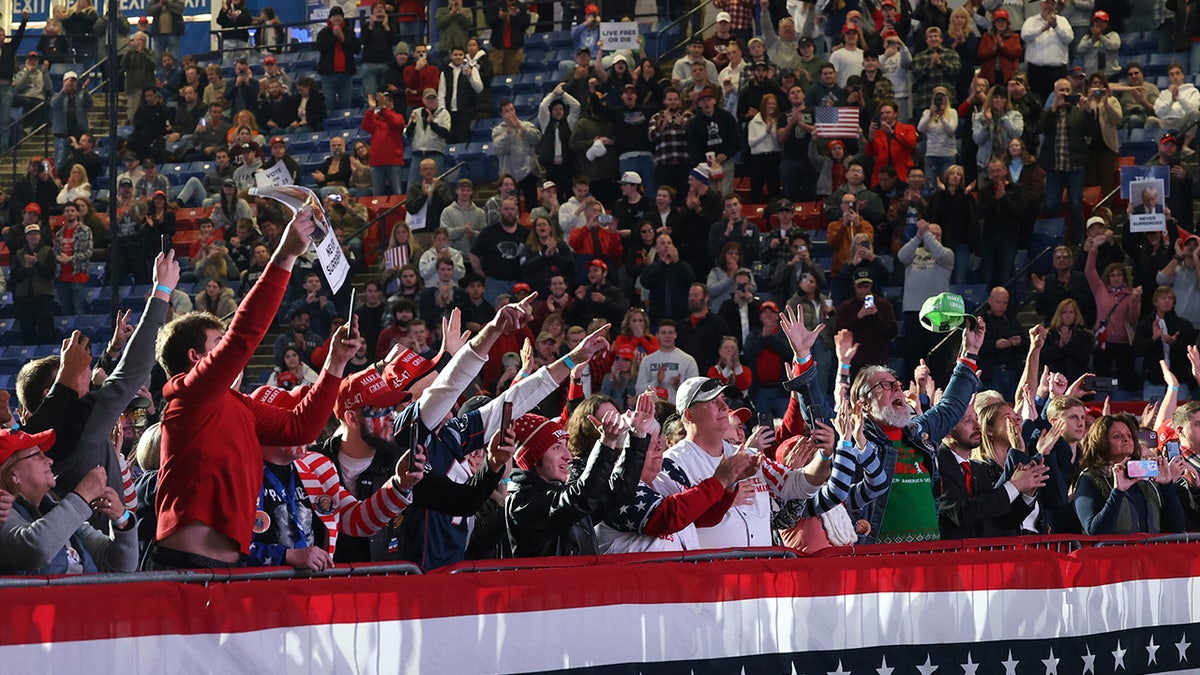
395 257
837 122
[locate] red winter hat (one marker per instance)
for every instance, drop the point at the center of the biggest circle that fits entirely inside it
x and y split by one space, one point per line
535 435
370 388
15 440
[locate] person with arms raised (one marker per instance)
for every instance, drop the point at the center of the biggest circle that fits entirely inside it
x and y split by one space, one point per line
205 501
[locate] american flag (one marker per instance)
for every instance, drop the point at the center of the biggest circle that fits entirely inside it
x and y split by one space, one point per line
839 122
395 257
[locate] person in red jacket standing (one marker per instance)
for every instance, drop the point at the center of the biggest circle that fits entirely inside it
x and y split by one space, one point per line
386 127
419 76
891 143
212 435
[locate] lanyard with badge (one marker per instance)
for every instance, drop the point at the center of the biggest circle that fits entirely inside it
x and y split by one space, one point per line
262 520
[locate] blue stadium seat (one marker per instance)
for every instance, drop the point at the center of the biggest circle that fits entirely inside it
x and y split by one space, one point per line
95 326
42 351
502 85
64 324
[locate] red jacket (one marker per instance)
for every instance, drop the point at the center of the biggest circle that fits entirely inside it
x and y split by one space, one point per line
896 150
611 249
417 81
1007 50
387 136
212 436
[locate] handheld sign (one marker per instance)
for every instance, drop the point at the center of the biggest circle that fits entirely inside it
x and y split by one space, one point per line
329 252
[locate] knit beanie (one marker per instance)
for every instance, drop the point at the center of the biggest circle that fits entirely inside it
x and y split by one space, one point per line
535 435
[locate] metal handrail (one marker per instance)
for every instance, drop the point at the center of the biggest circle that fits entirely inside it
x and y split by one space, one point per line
404 199
221 33
680 20
7 129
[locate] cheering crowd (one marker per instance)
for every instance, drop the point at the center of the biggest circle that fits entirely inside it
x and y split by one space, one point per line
650 364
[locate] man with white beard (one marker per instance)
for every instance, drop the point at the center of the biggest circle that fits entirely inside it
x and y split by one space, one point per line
908 509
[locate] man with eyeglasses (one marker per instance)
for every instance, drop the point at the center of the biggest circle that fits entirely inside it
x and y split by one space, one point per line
706 421
908 510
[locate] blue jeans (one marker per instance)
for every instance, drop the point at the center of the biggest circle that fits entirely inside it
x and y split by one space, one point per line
192 194
644 167
1072 182
414 168
997 256
72 297
495 287
337 90
62 147
168 43
373 76
387 180
962 264
771 399
935 167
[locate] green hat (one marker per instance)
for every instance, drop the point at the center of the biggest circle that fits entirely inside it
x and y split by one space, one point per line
944 312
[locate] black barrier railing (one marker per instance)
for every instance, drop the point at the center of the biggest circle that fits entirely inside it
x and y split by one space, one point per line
214 576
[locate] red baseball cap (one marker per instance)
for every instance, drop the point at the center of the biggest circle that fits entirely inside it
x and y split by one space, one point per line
13 441
382 390
596 262
1000 14
1100 16
591 9
34 207
771 305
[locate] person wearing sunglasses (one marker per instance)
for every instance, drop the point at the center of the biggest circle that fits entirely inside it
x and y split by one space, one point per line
908 508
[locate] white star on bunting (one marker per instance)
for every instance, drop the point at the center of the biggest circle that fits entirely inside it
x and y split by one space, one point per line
1051 663
1089 661
927 668
839 670
1119 657
883 668
1182 646
1153 649
1010 666
970 666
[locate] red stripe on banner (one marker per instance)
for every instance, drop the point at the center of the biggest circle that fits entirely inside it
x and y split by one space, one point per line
37 615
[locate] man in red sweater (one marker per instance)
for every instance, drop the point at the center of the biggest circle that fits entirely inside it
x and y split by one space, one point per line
212 435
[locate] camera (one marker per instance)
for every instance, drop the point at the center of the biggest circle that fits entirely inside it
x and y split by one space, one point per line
939 100
605 219
869 301
1072 99
335 198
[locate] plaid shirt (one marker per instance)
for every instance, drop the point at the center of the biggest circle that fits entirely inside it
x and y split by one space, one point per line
670 141
741 14
926 77
1062 143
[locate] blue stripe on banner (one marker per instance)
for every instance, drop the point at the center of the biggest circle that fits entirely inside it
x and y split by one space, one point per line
1162 649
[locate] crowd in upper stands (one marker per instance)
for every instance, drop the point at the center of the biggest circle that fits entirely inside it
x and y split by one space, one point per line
701 287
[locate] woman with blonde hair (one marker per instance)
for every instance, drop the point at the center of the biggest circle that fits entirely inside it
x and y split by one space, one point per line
401 249
1069 344
962 38
76 186
994 126
1001 460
